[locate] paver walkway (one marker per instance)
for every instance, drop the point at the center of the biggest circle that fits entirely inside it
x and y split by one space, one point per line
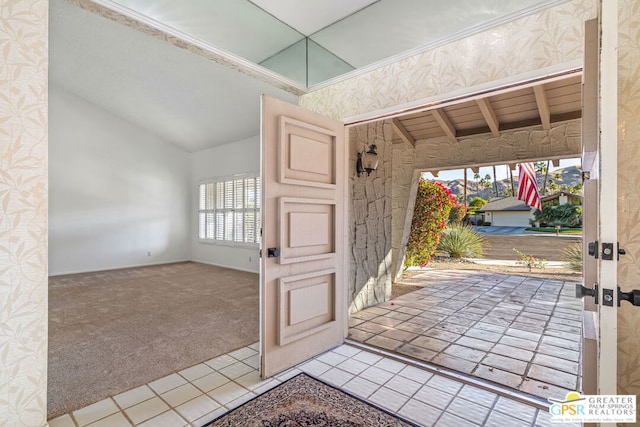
524 333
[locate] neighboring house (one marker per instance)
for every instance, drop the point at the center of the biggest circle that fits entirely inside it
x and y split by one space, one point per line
507 212
561 198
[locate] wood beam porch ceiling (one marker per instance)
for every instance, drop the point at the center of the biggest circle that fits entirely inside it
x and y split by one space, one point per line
540 105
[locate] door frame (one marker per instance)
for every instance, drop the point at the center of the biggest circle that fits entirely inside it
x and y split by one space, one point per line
607 369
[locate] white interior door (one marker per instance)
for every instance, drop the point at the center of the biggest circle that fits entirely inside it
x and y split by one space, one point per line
303 274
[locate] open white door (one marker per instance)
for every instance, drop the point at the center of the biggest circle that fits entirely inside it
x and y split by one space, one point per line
303 275
599 163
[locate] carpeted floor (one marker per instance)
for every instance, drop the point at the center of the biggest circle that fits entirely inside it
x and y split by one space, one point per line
115 330
305 401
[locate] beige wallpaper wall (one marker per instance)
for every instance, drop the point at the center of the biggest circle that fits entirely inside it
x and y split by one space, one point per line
23 212
546 39
629 192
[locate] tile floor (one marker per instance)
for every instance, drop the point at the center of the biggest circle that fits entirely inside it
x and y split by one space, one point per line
524 333
196 395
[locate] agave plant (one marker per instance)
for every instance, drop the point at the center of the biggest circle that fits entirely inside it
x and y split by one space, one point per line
461 241
573 256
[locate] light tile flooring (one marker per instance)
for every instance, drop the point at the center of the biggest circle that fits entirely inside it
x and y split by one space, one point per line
520 332
197 395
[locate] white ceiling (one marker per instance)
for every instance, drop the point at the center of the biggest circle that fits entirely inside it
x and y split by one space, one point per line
315 15
182 97
197 103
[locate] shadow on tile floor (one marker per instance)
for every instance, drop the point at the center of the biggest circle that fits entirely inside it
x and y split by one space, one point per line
523 333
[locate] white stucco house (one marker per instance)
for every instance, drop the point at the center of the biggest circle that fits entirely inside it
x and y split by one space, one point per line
507 212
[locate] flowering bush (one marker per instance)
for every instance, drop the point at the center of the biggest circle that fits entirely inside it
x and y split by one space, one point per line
430 215
529 260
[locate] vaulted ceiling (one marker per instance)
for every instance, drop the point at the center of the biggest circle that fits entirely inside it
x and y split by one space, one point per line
197 103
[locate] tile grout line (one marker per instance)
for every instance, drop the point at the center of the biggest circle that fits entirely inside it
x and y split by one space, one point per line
121 409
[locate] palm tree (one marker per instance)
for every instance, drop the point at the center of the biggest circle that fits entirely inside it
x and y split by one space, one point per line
513 190
465 189
495 182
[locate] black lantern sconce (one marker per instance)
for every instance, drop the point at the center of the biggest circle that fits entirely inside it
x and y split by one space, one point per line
367 161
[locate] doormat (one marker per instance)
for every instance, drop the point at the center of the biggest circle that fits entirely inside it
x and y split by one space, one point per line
306 401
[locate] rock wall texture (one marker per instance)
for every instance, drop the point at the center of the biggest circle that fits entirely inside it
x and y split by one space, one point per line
370 219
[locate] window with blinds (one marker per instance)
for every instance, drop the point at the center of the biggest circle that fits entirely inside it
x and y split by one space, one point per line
229 209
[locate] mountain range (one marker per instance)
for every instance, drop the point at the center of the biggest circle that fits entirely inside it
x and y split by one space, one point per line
569 176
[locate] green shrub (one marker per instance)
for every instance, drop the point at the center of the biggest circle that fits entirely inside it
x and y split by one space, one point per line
457 214
573 256
566 215
487 223
461 241
433 204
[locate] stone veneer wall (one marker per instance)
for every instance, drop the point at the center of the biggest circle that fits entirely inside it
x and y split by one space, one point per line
370 219
562 140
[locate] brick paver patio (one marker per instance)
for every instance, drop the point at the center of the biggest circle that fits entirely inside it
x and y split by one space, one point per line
521 332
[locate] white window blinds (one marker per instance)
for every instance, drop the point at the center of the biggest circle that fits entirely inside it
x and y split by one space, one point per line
229 209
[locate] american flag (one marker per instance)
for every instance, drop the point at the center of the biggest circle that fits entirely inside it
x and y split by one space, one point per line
528 186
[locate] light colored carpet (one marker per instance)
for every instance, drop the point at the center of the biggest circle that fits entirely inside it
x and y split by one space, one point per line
113 331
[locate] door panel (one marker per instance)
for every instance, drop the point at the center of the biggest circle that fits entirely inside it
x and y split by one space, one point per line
303 286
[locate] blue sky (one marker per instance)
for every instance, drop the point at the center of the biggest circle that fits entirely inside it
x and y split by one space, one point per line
501 171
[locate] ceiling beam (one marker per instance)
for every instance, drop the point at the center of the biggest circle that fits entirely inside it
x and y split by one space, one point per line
402 132
489 115
444 122
543 106
521 124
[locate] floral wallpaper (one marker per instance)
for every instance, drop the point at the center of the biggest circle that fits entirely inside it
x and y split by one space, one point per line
23 212
629 192
546 39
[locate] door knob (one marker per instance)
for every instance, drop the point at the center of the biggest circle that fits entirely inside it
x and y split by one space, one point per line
581 292
632 296
273 252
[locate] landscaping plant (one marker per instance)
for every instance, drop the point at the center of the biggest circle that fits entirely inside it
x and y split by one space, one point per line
566 215
461 241
430 215
573 256
529 260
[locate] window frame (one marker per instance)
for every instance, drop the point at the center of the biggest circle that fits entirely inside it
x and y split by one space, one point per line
213 208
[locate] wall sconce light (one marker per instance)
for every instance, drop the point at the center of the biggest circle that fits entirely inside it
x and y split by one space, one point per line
367 161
